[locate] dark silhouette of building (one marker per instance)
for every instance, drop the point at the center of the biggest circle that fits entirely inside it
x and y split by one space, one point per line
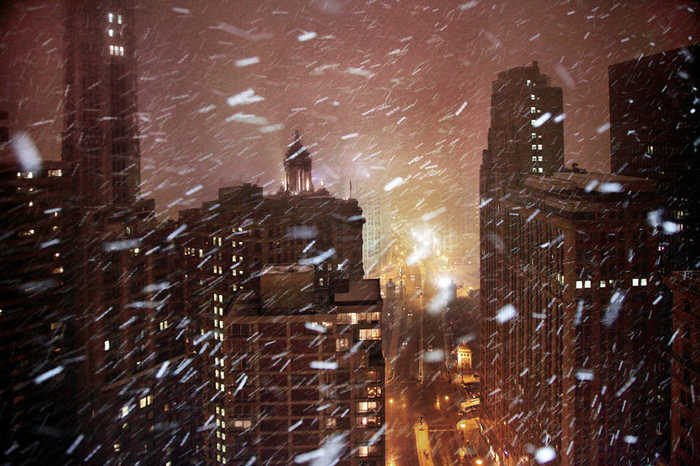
685 408
526 134
571 304
569 287
100 127
654 127
38 218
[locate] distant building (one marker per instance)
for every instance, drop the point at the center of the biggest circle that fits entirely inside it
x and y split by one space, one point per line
375 232
572 339
100 128
654 126
526 134
464 358
685 407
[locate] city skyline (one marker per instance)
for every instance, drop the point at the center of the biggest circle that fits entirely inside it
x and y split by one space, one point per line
179 286
186 87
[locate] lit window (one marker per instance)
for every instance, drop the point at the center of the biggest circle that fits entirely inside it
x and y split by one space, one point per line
163 325
539 158
370 334
602 283
121 52
528 82
117 447
534 158
331 423
533 110
534 147
119 19
125 411
110 17
635 282
107 345
363 451
110 32
365 406
539 169
579 284
242 424
643 282
57 172
111 50
587 284
342 344
532 96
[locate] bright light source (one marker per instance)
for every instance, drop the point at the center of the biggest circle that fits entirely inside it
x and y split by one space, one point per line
479 461
444 282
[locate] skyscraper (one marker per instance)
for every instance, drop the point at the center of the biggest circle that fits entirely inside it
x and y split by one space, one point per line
571 304
100 128
232 248
654 127
526 134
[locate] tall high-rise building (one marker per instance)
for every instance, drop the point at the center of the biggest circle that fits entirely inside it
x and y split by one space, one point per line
38 222
230 247
685 406
571 289
100 127
526 134
654 127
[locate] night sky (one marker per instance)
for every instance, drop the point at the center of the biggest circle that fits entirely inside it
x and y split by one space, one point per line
372 85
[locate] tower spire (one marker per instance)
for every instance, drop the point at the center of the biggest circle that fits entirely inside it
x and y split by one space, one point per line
297 167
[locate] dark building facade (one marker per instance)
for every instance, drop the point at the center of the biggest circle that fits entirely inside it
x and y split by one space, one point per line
526 134
685 406
654 126
38 217
571 285
100 127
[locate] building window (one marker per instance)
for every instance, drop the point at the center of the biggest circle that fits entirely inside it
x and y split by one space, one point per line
366 406
57 172
342 344
163 325
602 283
146 401
370 334
110 17
119 19
539 170
107 345
242 424
532 96
125 411
587 284
110 32
579 284
374 391
533 110
635 282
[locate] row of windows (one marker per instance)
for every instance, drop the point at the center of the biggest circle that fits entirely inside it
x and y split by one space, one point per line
585 284
116 50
